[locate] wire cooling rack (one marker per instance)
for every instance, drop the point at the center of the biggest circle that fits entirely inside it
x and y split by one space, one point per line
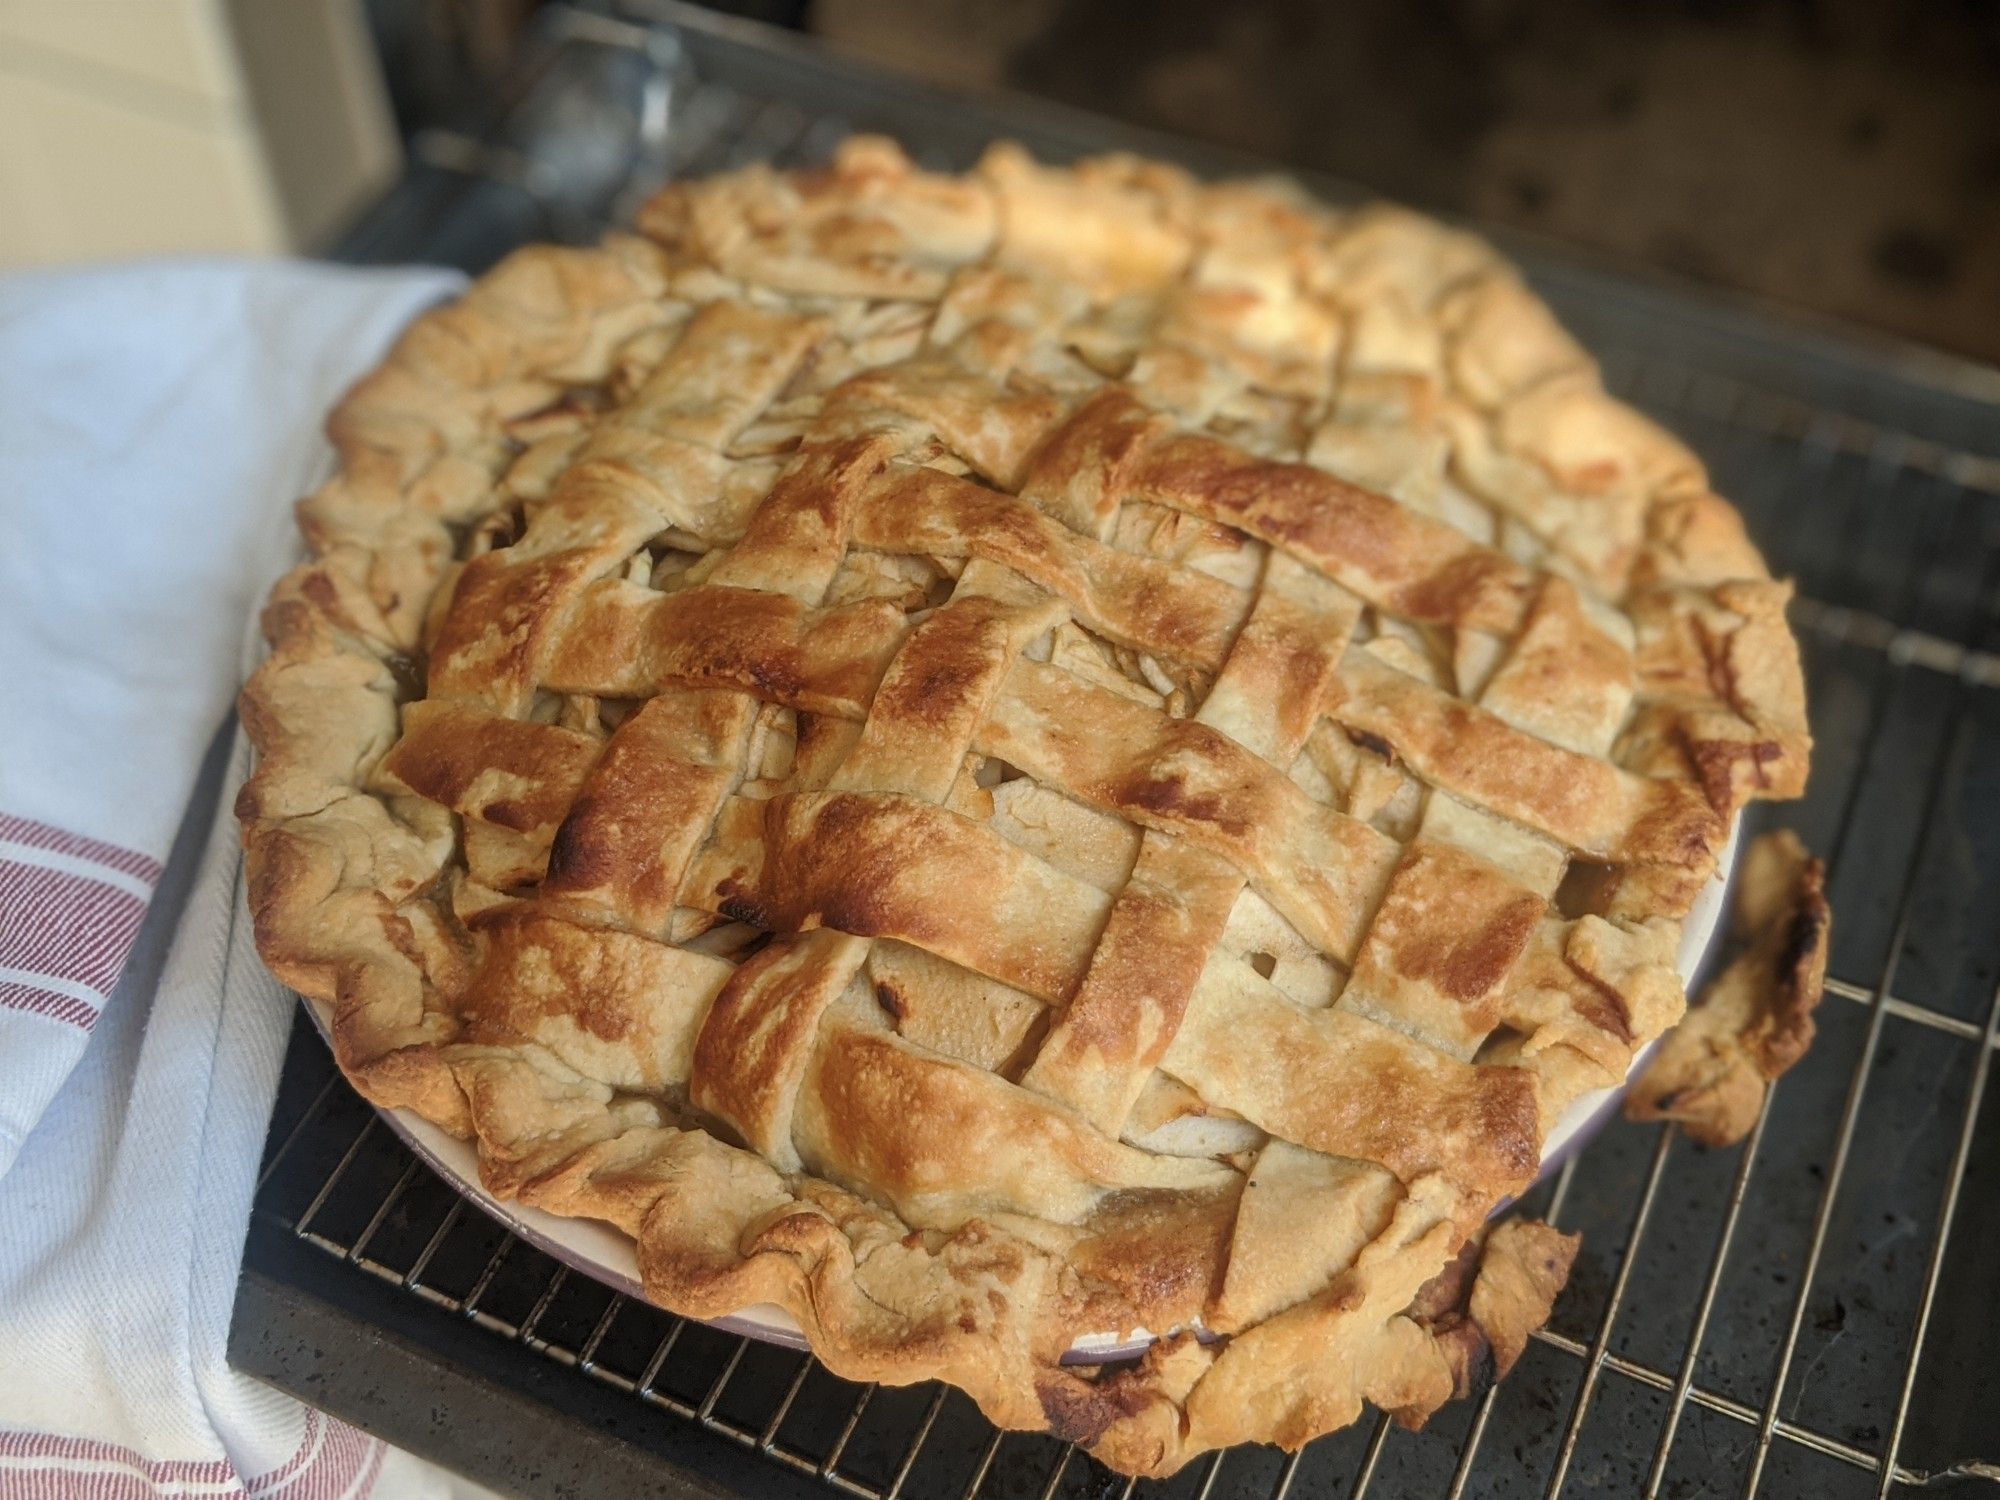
1811 1313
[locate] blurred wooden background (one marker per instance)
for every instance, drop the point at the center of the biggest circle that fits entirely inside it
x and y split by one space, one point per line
1839 155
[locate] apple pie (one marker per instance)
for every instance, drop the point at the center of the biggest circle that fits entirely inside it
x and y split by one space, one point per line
988 759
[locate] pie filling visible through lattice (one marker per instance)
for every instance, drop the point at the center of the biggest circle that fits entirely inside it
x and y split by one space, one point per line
982 758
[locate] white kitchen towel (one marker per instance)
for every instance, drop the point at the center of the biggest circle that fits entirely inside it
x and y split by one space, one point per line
155 424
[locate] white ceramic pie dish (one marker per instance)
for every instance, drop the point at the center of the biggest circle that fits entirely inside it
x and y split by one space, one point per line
605 1254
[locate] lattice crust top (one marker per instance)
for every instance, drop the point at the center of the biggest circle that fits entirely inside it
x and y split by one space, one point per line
990 758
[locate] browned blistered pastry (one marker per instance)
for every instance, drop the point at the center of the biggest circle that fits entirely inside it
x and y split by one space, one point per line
1755 1019
989 758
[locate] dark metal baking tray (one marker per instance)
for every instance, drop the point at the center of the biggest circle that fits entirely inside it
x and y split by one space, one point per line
1810 1313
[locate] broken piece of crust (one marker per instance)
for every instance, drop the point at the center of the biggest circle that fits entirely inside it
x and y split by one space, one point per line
1484 1306
1756 1019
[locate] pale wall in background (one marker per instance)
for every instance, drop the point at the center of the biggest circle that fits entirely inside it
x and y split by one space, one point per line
139 127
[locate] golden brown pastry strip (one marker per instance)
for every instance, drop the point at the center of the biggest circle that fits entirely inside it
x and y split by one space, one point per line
1393 557
1593 807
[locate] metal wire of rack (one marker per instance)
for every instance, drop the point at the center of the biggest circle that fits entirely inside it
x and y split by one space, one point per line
1809 1312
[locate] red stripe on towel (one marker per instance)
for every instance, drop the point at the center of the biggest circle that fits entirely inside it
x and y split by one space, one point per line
35 835
56 925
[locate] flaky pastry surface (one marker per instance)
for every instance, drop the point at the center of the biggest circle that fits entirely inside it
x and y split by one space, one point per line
989 758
